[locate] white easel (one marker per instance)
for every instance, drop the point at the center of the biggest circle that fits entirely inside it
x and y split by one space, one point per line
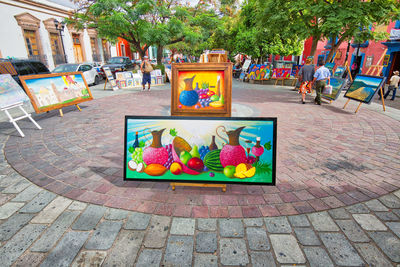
14 121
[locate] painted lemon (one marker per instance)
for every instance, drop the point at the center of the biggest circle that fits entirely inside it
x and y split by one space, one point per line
250 173
241 168
216 104
240 175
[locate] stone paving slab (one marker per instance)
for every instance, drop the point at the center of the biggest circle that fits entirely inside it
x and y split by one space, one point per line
140 238
338 170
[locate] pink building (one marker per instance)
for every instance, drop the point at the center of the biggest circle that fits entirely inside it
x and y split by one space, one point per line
369 52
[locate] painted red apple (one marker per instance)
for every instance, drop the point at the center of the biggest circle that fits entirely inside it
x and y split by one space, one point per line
196 164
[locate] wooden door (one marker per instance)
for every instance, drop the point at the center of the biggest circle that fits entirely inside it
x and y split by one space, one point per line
77 48
31 43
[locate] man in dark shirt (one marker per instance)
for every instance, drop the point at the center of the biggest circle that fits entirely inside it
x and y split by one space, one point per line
306 76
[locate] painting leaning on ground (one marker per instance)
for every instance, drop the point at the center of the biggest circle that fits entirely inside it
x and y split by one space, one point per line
337 85
364 88
195 149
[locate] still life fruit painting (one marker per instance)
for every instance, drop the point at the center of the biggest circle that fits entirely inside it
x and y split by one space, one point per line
199 149
201 90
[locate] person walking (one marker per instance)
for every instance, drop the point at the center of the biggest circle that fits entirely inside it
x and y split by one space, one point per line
321 76
146 68
306 75
394 84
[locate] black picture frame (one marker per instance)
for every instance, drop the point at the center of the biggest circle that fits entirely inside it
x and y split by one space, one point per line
267 119
342 81
367 100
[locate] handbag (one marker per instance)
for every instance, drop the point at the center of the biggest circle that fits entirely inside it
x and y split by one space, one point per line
327 90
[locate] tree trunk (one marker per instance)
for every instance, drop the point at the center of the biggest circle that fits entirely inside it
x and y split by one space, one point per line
160 49
314 46
333 50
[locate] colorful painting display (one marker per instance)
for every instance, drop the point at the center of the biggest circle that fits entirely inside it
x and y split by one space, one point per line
200 149
279 73
330 66
337 86
295 70
364 88
339 72
168 71
201 88
10 92
259 72
110 78
54 91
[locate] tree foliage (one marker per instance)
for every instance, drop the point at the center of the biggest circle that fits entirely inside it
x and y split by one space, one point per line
322 19
141 22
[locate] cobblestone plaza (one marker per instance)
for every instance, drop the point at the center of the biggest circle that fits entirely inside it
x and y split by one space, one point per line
336 201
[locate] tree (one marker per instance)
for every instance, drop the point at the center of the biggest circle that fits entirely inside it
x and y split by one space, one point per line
339 20
255 38
141 22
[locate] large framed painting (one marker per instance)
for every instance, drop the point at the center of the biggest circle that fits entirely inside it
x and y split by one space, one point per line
337 86
10 92
55 91
201 89
201 149
364 87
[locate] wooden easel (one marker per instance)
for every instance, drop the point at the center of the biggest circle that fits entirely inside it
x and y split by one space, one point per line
62 114
14 121
114 88
359 105
376 69
222 186
373 70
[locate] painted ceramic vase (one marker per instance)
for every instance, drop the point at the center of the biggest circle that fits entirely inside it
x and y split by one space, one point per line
155 153
233 153
189 97
257 150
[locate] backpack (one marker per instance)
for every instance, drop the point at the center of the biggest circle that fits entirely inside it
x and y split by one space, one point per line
147 67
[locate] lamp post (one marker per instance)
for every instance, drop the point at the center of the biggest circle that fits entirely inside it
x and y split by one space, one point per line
60 28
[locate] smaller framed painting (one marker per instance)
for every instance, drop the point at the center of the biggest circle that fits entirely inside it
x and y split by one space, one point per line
337 86
10 92
364 87
129 82
120 75
386 60
55 91
201 89
339 72
330 66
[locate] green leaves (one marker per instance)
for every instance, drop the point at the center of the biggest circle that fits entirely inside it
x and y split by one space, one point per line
173 132
267 145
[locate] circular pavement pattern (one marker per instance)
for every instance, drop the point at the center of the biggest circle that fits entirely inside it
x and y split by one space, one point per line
327 158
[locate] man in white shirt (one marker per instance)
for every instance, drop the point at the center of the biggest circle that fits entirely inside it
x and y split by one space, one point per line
321 76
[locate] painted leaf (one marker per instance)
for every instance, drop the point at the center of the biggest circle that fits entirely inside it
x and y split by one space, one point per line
267 145
173 132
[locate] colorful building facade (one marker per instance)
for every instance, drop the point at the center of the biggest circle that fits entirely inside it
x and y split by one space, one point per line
362 56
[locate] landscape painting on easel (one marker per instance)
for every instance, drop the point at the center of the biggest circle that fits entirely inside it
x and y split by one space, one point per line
364 88
10 92
54 91
337 86
199 149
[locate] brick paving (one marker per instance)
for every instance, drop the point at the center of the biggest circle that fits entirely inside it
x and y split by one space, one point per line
336 203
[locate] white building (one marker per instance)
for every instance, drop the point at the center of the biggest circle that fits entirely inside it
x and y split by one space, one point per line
28 30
